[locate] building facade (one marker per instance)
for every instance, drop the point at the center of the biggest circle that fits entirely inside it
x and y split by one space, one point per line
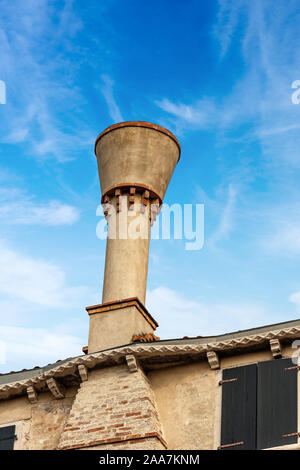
131 390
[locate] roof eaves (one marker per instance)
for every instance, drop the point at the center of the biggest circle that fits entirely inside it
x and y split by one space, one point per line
145 350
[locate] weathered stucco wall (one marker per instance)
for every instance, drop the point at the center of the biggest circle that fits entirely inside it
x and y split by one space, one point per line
47 420
185 397
15 409
38 425
188 399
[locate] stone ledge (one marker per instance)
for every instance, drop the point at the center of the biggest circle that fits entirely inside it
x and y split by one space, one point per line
118 304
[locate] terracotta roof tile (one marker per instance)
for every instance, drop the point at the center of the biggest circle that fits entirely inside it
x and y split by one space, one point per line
145 338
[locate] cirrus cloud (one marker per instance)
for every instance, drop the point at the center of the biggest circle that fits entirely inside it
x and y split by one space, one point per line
17 207
36 281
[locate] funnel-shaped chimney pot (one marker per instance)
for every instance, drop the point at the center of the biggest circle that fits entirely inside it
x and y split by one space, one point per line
136 161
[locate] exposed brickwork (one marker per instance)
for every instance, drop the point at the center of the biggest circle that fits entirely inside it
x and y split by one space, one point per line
113 406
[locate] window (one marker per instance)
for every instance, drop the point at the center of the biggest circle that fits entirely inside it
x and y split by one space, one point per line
259 405
7 437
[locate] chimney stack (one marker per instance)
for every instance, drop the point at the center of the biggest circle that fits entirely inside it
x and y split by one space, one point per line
136 161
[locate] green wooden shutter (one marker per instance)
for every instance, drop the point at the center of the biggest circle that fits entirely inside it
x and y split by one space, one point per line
276 403
239 407
7 438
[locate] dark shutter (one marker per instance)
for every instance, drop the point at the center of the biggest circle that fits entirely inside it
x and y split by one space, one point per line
7 438
276 403
239 407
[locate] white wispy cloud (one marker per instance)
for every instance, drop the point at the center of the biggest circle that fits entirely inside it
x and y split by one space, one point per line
30 347
41 93
202 114
16 207
227 21
41 313
222 213
178 316
108 92
36 281
270 225
260 95
295 298
69 23
281 235
258 114
226 221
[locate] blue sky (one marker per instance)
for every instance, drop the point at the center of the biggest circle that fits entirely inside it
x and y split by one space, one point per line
218 74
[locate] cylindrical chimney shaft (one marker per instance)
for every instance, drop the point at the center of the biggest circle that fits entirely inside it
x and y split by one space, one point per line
136 161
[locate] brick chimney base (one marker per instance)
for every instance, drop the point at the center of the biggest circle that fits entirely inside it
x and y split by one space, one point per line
114 409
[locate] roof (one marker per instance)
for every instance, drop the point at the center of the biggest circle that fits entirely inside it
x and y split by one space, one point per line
17 382
29 373
235 334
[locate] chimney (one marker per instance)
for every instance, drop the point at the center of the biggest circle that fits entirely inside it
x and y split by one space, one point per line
136 161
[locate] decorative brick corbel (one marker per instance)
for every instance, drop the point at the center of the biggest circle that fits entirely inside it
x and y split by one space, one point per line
131 363
145 197
57 389
145 201
83 372
275 348
32 395
118 194
131 197
213 360
106 203
154 210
